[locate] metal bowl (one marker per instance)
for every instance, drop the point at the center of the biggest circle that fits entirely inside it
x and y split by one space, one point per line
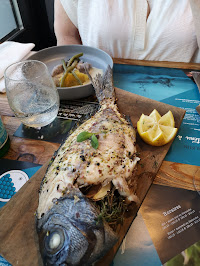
52 56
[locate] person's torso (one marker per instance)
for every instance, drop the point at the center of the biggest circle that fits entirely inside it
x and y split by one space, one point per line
139 29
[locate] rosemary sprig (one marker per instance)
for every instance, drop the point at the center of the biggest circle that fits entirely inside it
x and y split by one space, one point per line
112 208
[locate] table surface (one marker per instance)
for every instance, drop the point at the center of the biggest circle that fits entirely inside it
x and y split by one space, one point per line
39 152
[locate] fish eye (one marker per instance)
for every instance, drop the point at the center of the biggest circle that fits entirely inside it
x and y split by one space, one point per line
54 241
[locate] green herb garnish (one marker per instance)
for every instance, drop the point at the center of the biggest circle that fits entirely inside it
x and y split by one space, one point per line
112 209
83 136
87 135
94 142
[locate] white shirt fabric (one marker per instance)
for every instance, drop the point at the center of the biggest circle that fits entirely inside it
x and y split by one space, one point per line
126 29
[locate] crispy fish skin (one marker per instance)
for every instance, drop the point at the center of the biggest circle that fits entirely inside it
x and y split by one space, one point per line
78 164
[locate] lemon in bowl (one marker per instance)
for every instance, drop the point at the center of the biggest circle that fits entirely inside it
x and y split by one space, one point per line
157 130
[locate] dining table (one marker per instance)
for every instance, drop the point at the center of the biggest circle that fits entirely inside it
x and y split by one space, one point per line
176 175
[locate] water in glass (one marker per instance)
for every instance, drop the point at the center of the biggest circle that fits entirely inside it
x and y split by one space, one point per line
31 93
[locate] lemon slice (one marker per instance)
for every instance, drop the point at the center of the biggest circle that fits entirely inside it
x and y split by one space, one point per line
155 129
155 115
167 120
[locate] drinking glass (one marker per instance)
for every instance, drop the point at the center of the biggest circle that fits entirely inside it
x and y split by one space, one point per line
31 93
196 180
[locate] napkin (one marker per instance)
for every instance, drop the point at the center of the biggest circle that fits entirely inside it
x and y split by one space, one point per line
12 52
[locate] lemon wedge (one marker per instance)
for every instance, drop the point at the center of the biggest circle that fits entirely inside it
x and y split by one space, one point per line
155 129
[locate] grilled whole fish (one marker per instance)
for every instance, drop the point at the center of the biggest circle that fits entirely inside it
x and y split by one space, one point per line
66 220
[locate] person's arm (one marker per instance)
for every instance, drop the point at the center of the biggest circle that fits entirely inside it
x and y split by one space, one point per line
65 31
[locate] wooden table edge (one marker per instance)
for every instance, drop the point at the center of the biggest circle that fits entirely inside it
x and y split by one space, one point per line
166 64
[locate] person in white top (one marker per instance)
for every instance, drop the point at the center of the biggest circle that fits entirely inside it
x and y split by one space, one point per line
159 30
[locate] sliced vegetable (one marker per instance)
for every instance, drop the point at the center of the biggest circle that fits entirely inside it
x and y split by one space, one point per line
71 60
76 77
102 192
69 69
64 65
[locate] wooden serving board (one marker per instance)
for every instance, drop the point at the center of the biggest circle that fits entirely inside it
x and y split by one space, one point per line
19 243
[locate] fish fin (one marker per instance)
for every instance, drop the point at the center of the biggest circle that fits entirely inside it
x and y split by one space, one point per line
128 119
125 189
103 85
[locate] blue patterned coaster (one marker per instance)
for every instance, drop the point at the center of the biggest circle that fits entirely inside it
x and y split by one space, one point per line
4 262
10 183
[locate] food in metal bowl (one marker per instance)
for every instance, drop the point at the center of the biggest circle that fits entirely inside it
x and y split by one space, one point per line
73 72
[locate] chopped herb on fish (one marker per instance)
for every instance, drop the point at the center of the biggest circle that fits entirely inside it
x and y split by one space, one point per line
94 142
83 136
87 135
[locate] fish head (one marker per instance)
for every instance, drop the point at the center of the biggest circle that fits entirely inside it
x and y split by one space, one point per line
69 234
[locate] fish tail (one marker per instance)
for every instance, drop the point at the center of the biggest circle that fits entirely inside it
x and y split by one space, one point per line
103 85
